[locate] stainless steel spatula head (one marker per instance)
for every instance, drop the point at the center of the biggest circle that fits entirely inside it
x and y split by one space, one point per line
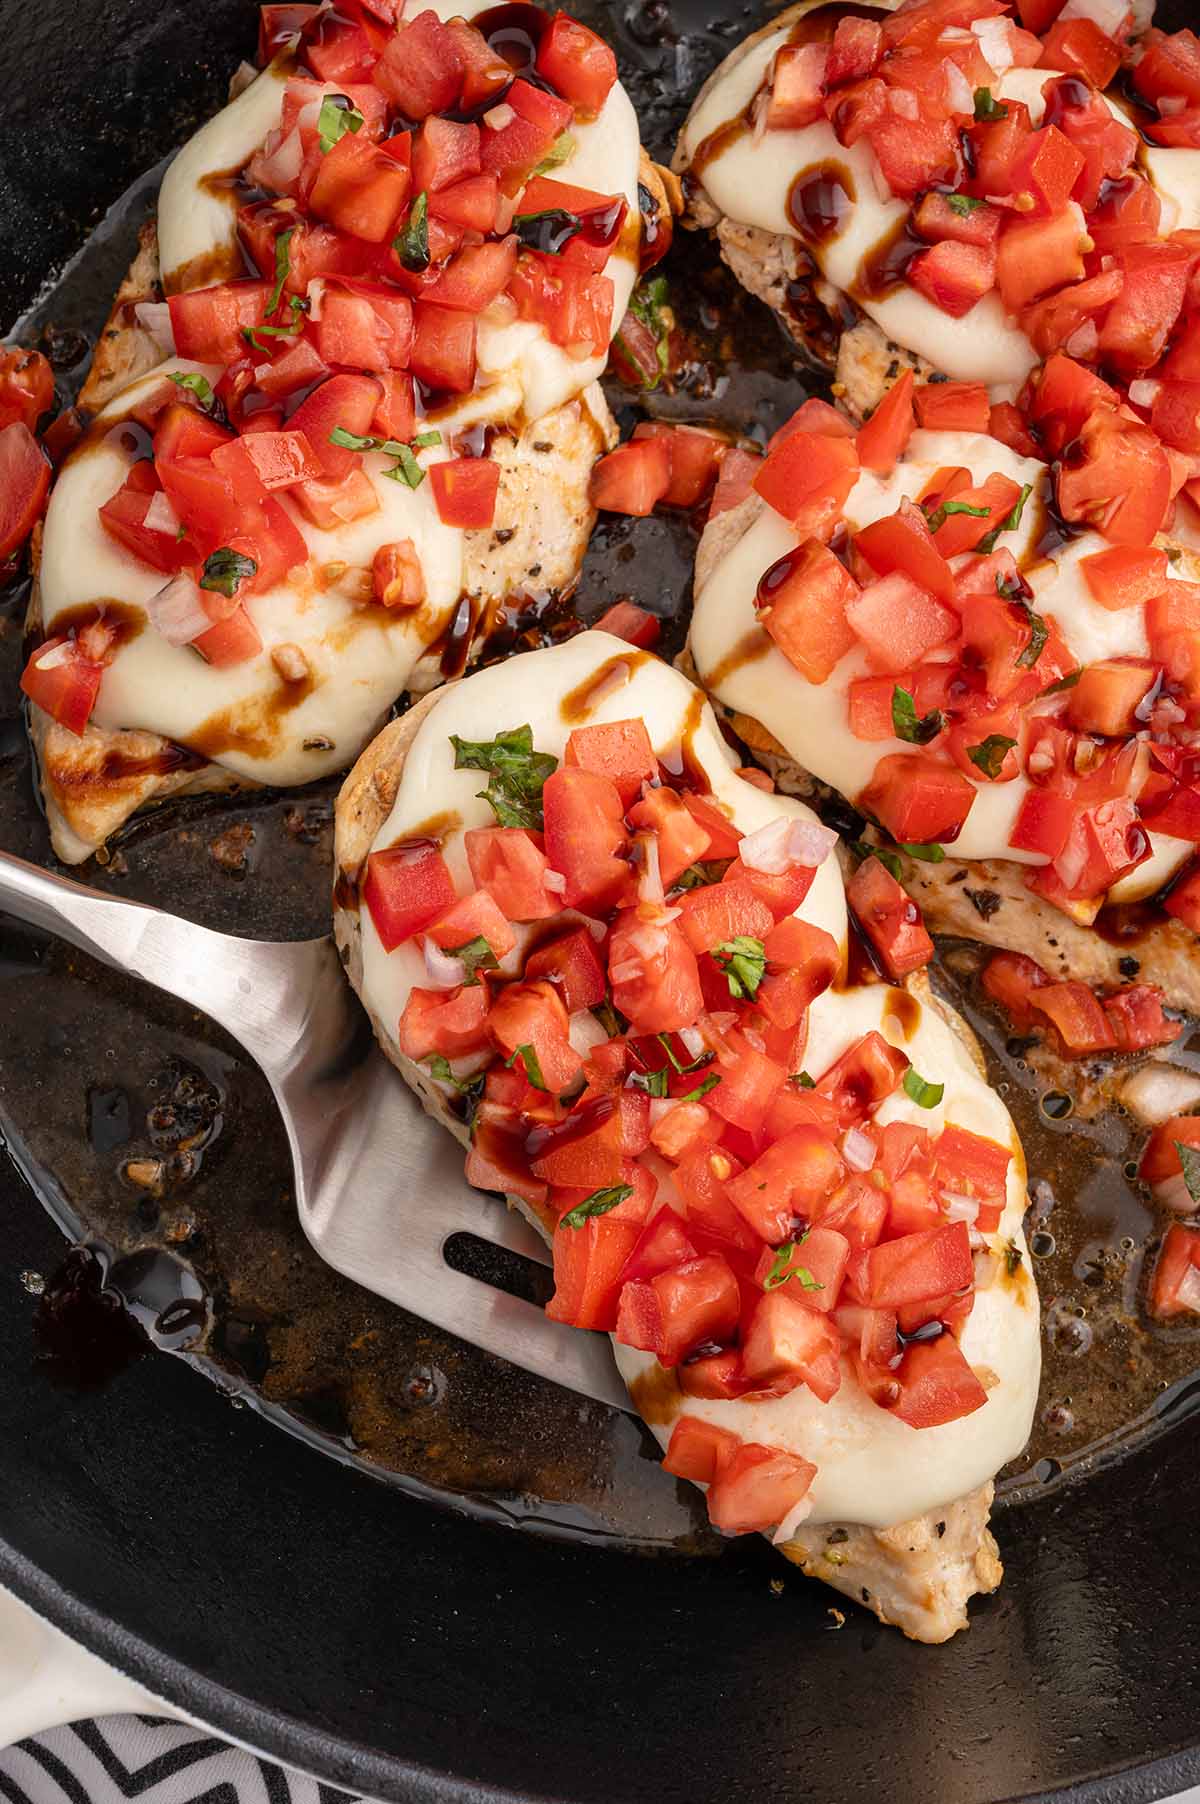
379 1186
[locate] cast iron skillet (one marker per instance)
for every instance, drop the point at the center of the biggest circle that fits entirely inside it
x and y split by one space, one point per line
411 1654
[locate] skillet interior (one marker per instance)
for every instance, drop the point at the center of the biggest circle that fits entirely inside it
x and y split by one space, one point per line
152 1506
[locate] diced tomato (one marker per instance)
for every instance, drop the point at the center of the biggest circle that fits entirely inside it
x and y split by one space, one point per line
681 1308
1108 695
26 387
1064 395
620 750
936 219
803 598
1118 480
591 1145
817 1264
371 329
59 678
749 1083
653 973
299 367
1138 323
397 576
510 864
470 203
421 68
277 460
797 86
123 517
1160 1161
918 1267
572 964
629 622
1076 1016
344 400
473 917
723 911
232 639
785 1343
856 48
577 63
898 623
951 406
1125 577
585 830
694 458
902 542
970 1165
1037 254
634 478
465 490
515 149
1129 213
807 478
699 1450
882 439
999 495
1080 45
587 1267
870 700
915 154
449 1022
757 1489
1135 1015
534 1015
360 189
917 798
858 1082
936 1384
955 277
1007 423
890 919
779 1193
443 349
1010 979
208 323
1175 1285
573 305
682 840
406 888
802 961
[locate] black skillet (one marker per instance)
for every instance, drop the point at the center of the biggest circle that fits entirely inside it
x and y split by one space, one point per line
295 1604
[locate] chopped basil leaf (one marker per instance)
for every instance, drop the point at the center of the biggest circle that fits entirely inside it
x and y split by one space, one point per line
1067 682
283 265
224 570
654 1083
196 385
423 440
533 1069
1039 632
1189 1159
475 954
905 723
610 1021
406 469
986 107
988 541
703 1088
558 152
334 121
990 754
699 876
923 1093
887 859
517 774
962 204
929 854
599 1203
549 231
412 244
941 514
705 1058
802 1080
1012 1258
440 1068
782 1269
744 962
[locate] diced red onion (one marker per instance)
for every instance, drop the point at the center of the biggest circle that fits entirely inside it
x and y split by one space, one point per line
499 116
628 971
242 78
858 1150
961 1208
555 882
1084 340
314 294
56 656
647 939
693 1041
1109 15
1188 1290
1071 860
178 612
660 1106
978 1241
904 102
650 883
444 972
1143 391
154 317
995 43
798 1513
280 167
986 1266
160 515
960 96
783 843
500 312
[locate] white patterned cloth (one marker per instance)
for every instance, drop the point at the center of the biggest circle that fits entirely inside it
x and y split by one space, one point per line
119 1758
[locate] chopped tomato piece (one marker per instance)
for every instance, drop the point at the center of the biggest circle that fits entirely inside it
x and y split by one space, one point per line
679 1309
26 387
723 911
757 1489
682 839
1135 1015
1010 979
473 917
421 68
465 490
1076 1016
955 277
626 621
1160 1162
587 1271
653 972
208 323
1140 320
917 798
699 1450
902 542
572 964
779 1193
797 86
1175 1286
1080 45
406 888
890 919
1125 577
786 1343
883 437
59 678
510 864
1117 480
749 1083
585 831
449 1022
344 400
590 1148
360 189
577 63
936 1384
695 455
1108 695
1183 899
858 1082
915 154
803 598
951 406
443 348
918 1267
634 478
856 48
533 1015
397 577
620 750
938 220
899 623
1037 254
807 478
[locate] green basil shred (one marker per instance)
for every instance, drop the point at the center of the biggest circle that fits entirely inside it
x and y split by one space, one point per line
225 570
744 962
516 774
599 1203
990 754
923 1093
906 724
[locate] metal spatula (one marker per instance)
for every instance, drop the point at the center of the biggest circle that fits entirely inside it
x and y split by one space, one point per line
379 1185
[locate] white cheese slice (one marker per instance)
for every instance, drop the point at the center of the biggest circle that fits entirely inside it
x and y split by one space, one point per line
197 222
812 720
749 178
871 1467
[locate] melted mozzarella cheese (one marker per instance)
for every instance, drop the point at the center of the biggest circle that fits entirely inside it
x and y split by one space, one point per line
246 717
747 672
750 178
197 228
871 1467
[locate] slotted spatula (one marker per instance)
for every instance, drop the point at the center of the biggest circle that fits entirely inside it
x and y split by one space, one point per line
379 1185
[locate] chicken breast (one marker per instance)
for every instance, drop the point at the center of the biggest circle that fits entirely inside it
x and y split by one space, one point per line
918 1572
